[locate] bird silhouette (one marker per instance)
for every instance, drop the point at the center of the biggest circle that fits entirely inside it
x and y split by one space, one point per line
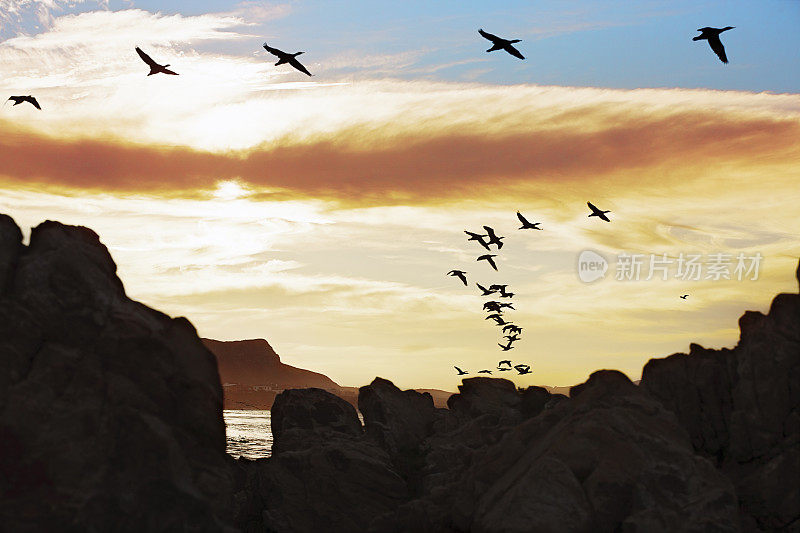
500 321
526 224
597 212
504 362
505 348
498 43
155 68
492 306
486 292
20 99
509 327
684 296
460 372
496 287
514 329
504 368
712 36
506 306
511 338
494 316
488 259
523 369
460 274
493 238
504 294
484 371
477 237
284 57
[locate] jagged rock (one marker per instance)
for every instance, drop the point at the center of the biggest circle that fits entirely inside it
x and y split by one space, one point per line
741 407
609 459
487 396
340 483
108 409
301 417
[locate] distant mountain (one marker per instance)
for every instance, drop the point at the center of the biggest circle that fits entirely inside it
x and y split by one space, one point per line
252 374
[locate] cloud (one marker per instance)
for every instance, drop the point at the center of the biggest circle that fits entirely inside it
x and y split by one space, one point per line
418 154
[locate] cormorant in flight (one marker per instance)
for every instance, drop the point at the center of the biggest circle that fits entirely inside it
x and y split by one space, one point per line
20 99
493 238
460 372
526 224
459 274
284 57
712 36
488 259
498 43
479 238
155 68
486 292
597 212
683 297
523 369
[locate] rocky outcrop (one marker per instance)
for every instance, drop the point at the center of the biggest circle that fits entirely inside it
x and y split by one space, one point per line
110 412
323 475
741 408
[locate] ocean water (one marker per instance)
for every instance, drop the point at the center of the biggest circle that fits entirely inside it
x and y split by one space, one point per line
248 433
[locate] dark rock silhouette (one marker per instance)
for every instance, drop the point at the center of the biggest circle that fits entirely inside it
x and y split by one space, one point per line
108 409
741 408
111 420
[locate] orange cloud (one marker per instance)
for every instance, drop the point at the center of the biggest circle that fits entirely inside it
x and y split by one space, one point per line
378 165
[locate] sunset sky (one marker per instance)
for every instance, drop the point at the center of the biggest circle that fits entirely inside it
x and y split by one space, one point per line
322 213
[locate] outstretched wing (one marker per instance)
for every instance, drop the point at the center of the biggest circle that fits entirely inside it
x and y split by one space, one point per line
513 51
168 71
299 66
523 219
35 103
146 58
592 207
716 45
487 35
273 51
602 216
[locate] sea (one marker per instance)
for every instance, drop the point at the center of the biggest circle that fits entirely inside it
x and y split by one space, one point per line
249 434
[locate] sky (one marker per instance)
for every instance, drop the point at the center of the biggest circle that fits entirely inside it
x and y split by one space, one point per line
323 213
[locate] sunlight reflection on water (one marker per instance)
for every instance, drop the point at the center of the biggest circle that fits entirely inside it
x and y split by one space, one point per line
248 433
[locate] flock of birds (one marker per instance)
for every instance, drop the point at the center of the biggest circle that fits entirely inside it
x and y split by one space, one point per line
498 43
510 330
496 308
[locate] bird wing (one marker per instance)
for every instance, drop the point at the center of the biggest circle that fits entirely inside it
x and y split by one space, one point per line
296 64
513 51
146 58
490 231
168 71
458 369
493 38
603 216
592 207
716 45
34 102
522 219
274 51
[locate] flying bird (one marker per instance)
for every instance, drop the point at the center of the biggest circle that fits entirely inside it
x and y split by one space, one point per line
488 259
504 362
495 287
509 327
155 68
712 36
500 321
493 238
460 372
526 224
512 338
484 371
492 306
505 348
513 329
486 292
460 274
683 297
498 43
504 368
494 316
504 294
523 369
20 99
477 237
284 57
597 212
